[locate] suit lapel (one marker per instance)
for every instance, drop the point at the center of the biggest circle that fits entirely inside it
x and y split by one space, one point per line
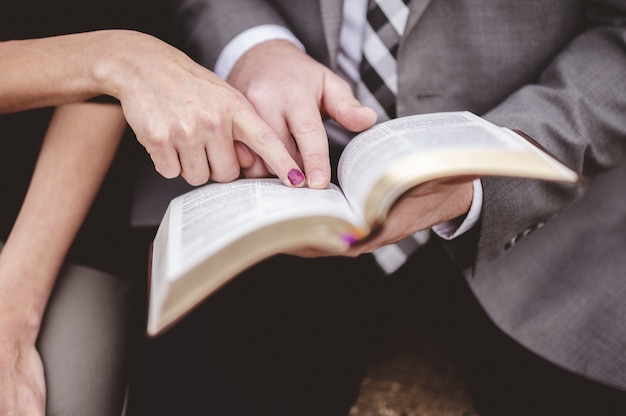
331 21
416 10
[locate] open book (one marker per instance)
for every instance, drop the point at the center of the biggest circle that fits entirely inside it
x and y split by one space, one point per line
214 232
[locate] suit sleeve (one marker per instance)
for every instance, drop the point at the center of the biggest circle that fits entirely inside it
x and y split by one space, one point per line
202 28
577 110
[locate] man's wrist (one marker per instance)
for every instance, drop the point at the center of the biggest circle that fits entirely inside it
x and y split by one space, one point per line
246 40
460 225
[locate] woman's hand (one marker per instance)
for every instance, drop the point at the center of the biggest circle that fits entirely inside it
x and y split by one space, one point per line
22 382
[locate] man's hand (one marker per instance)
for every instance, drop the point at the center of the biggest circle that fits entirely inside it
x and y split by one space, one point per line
190 121
422 207
292 93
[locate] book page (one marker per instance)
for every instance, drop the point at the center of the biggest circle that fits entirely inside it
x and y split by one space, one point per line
206 219
428 139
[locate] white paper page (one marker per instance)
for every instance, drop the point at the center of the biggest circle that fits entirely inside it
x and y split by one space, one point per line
369 154
209 217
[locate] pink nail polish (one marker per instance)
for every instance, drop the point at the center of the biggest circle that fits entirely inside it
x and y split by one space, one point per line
295 177
349 238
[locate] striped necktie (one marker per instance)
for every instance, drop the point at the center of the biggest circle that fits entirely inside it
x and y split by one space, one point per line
386 20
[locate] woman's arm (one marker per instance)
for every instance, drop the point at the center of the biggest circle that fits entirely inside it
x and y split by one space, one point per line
76 153
190 121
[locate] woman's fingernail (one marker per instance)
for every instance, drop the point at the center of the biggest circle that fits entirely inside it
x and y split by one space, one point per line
349 238
295 177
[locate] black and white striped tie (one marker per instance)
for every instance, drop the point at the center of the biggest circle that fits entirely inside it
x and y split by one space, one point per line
386 20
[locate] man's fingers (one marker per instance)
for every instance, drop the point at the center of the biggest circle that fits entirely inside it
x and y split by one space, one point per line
252 166
339 103
256 170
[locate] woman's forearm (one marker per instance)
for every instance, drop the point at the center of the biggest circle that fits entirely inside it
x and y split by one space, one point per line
48 71
77 150
71 68
182 113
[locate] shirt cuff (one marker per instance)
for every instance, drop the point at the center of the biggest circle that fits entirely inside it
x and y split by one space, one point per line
451 229
244 41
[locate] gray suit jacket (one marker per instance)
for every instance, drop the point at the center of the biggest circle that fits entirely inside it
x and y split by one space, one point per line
547 261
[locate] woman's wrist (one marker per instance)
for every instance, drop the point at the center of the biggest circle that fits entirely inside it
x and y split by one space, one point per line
119 61
18 329
24 293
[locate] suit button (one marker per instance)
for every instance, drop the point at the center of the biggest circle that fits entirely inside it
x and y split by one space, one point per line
511 242
524 233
